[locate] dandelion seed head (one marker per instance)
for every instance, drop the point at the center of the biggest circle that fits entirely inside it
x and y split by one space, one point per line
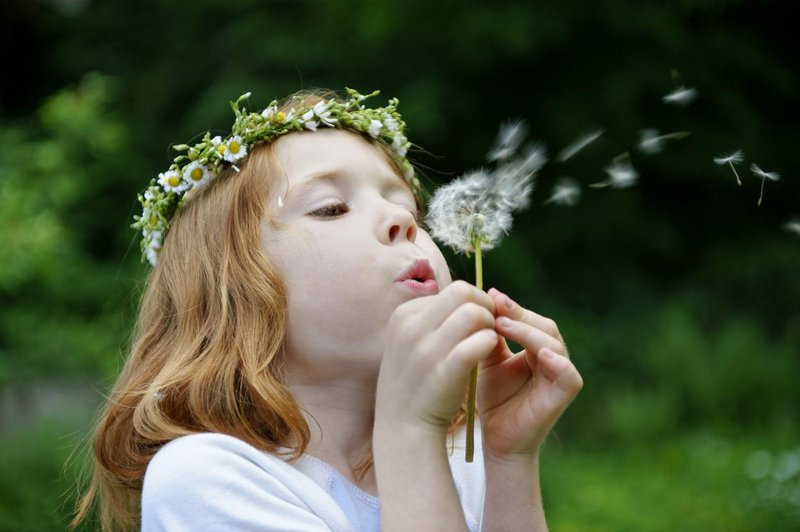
772 176
565 192
508 140
466 207
733 158
681 96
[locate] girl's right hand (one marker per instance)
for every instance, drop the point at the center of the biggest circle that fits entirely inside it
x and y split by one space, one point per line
432 345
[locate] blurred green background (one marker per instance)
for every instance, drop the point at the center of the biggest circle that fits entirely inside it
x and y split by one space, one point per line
679 298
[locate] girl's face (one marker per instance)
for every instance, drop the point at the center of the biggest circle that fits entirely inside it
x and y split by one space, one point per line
345 241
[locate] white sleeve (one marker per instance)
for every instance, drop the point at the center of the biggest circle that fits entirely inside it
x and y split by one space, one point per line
217 482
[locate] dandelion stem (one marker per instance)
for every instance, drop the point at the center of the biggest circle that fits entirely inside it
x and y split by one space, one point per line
473 376
739 181
760 197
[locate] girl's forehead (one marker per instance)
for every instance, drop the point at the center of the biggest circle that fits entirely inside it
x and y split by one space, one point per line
308 155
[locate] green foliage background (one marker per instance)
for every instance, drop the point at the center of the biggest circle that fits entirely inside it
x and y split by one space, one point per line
679 298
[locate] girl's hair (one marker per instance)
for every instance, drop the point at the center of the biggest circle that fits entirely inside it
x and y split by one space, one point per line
205 356
206 352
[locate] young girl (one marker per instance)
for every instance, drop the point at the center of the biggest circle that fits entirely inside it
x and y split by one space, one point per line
301 352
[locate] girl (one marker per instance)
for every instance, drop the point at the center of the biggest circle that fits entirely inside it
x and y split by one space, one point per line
301 350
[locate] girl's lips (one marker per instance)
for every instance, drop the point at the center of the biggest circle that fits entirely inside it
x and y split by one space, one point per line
424 288
419 278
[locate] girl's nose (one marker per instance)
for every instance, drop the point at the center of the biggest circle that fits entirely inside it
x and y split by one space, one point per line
399 225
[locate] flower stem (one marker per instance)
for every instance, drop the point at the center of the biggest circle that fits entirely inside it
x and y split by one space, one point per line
473 376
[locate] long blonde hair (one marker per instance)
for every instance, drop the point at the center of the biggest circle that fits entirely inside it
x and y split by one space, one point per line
205 356
206 352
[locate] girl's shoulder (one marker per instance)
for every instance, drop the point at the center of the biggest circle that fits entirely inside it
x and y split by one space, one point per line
208 479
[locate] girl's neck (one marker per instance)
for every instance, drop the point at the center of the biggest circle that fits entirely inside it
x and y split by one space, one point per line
340 416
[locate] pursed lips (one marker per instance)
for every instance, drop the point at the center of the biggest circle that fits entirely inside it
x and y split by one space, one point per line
419 278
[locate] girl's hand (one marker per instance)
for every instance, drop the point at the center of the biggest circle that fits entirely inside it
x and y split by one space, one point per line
520 396
432 345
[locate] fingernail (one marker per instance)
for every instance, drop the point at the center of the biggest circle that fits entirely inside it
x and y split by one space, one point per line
547 353
507 302
502 321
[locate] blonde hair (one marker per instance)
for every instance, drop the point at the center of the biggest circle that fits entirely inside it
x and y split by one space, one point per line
206 355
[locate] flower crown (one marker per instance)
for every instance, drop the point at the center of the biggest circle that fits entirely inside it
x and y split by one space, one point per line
201 163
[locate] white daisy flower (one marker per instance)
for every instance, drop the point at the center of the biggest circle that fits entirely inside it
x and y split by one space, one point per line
220 146
270 112
321 113
681 96
390 123
565 192
235 149
731 159
171 181
578 145
374 128
400 145
772 176
307 121
153 243
196 174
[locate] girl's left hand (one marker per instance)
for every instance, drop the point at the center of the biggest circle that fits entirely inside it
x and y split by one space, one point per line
522 395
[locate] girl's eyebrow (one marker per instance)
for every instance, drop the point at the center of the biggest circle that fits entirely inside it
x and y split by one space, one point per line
336 176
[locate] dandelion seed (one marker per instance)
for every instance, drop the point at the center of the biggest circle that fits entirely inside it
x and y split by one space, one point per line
793 226
680 96
772 176
731 159
565 192
578 145
651 142
621 174
508 140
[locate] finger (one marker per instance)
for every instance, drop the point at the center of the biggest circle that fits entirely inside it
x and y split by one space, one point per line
528 336
452 297
468 353
561 373
505 306
467 319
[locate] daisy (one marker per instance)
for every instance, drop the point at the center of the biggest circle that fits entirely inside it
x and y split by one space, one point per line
772 176
565 192
235 149
196 174
400 145
681 96
374 128
734 158
219 146
390 123
171 181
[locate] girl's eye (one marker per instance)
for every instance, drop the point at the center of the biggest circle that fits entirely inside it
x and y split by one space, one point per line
331 211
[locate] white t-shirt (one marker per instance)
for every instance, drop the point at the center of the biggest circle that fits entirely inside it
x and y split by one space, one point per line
216 482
